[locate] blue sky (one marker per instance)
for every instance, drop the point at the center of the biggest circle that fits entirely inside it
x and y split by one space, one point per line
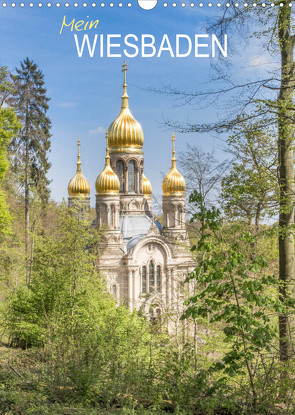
85 92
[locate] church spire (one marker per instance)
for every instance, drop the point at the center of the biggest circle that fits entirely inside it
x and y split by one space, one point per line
79 185
125 133
107 156
79 157
173 160
125 95
173 183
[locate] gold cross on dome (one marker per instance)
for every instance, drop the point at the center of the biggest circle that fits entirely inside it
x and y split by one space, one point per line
124 69
173 140
79 159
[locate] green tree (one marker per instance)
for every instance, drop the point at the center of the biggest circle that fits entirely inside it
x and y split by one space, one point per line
235 293
93 347
30 148
63 268
250 191
268 99
285 116
6 86
9 127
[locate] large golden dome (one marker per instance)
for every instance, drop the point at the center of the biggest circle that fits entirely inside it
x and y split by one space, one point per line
79 185
125 133
146 186
107 181
173 183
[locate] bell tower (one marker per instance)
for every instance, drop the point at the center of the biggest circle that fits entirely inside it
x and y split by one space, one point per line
107 187
173 187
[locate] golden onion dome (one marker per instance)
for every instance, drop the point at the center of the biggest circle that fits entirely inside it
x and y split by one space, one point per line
107 181
173 183
79 185
125 133
146 186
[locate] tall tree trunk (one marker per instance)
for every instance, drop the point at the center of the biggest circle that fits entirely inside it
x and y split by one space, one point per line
27 200
286 170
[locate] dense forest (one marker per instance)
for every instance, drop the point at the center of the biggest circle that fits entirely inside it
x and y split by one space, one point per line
67 348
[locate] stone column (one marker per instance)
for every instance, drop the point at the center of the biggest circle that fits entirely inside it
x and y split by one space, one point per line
136 179
108 215
115 217
140 180
117 210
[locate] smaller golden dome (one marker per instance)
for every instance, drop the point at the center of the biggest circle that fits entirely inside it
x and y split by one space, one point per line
79 185
146 186
173 183
107 181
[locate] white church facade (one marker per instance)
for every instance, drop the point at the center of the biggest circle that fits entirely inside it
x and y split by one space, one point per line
144 262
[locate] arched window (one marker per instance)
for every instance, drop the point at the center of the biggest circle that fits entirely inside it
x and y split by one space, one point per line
120 173
143 279
131 176
112 216
159 279
114 290
151 277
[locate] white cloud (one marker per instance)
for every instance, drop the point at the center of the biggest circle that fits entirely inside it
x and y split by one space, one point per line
66 104
98 130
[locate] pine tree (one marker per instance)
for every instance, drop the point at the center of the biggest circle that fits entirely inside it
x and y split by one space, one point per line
30 148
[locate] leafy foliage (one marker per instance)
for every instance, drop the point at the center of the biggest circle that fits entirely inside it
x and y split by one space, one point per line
9 127
250 190
63 275
236 294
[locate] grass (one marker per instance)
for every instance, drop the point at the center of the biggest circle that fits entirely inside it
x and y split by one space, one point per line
24 392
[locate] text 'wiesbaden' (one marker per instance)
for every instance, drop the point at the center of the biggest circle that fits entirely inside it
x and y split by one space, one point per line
148 46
